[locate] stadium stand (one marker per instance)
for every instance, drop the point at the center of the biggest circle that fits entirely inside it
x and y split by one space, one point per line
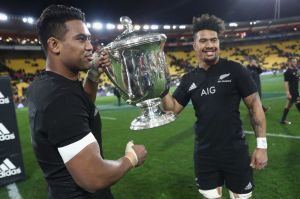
271 54
22 58
28 65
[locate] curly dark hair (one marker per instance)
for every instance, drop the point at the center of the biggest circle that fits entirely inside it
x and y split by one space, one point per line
51 23
208 22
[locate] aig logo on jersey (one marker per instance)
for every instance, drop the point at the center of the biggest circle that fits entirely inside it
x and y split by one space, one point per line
3 100
224 78
208 91
7 168
5 134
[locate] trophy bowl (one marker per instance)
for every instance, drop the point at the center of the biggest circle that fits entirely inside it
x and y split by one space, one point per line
139 72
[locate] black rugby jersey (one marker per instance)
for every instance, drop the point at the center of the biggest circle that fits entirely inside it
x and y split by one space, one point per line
216 95
60 113
291 76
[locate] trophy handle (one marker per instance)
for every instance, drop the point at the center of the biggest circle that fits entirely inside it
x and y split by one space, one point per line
110 77
108 73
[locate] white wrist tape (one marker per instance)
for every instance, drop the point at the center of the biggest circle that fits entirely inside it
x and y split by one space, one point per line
130 154
261 143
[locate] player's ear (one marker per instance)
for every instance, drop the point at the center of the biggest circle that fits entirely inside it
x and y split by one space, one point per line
53 45
194 45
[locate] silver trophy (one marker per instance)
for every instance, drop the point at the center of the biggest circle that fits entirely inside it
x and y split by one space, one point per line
139 72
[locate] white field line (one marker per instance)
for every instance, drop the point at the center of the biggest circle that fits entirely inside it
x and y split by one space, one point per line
278 135
274 98
13 191
108 118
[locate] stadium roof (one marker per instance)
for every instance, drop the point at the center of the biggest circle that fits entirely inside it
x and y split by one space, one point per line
161 11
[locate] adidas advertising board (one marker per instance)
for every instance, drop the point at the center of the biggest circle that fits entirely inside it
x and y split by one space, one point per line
7 168
5 134
3 99
11 161
11 169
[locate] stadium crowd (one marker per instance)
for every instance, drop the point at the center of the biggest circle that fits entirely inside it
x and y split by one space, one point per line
272 56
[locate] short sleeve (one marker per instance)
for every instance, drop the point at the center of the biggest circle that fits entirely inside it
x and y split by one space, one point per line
181 93
286 76
66 119
245 83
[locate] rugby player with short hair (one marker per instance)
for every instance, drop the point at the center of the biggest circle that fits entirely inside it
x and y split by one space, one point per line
216 88
65 124
291 85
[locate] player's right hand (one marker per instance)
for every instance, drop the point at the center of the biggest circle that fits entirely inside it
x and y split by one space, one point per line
104 60
100 60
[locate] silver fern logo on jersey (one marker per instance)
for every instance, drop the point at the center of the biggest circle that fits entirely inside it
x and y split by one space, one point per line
224 78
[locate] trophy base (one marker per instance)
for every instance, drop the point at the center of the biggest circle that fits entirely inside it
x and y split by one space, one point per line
152 116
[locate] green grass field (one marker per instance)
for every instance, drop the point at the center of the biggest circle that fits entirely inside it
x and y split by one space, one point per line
168 171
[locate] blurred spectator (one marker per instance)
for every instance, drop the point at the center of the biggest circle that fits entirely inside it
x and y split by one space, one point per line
255 71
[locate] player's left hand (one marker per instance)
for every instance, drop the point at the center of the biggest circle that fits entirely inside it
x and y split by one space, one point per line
259 159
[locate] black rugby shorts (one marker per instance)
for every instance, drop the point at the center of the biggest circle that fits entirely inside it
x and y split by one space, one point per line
232 169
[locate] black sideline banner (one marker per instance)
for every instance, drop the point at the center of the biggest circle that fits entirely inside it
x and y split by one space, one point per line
11 161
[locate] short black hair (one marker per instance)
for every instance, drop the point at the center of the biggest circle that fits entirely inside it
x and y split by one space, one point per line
51 23
208 22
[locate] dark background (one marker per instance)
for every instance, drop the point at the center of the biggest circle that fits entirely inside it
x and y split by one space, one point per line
160 11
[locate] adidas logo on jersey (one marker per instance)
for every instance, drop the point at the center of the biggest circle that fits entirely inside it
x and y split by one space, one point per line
7 168
3 100
248 187
5 134
222 78
193 86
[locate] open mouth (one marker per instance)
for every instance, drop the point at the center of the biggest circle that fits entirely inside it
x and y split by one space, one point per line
209 52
